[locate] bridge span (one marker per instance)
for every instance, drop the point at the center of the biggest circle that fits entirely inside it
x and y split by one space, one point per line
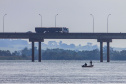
39 37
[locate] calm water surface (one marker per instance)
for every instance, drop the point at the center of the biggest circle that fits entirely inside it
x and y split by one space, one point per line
61 71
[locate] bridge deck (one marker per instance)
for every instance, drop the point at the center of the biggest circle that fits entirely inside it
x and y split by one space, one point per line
63 35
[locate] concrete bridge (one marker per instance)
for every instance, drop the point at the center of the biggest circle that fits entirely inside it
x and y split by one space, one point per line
38 37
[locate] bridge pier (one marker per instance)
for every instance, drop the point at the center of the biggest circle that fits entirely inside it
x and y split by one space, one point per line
33 51
101 48
39 51
101 51
39 47
108 50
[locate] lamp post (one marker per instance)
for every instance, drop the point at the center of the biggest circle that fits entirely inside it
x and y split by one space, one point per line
93 22
3 21
107 22
41 19
55 19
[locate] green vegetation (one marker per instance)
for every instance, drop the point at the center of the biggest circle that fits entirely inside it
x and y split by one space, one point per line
61 54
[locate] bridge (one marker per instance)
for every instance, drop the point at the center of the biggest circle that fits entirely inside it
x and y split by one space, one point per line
38 37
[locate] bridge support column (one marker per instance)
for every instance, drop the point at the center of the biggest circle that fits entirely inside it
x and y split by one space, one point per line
101 51
39 57
101 48
39 40
32 51
108 52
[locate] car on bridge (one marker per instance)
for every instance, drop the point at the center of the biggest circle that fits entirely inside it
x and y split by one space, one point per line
29 32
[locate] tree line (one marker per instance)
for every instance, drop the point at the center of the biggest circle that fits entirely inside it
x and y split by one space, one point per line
61 54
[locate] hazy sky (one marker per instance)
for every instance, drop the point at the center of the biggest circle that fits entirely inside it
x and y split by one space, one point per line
23 16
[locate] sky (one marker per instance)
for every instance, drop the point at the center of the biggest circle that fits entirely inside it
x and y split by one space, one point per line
23 16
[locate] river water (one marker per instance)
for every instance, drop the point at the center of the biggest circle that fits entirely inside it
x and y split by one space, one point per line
61 71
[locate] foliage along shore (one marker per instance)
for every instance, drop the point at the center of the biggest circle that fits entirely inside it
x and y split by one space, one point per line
61 54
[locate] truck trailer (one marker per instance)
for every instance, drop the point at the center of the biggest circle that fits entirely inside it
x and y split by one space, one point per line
51 30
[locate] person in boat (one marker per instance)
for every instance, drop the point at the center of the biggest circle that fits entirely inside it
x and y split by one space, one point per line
90 62
85 64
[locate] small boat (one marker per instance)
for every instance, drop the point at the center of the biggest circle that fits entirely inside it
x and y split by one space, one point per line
87 66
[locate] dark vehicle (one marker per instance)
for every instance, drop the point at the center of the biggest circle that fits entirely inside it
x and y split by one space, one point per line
29 32
51 30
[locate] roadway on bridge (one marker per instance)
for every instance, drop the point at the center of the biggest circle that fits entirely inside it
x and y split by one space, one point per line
63 35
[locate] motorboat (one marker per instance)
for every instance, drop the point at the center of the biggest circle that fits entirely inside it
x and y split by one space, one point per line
87 66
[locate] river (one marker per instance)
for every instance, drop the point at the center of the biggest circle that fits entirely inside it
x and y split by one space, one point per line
61 72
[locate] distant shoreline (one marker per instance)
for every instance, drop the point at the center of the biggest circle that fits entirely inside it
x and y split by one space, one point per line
61 54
